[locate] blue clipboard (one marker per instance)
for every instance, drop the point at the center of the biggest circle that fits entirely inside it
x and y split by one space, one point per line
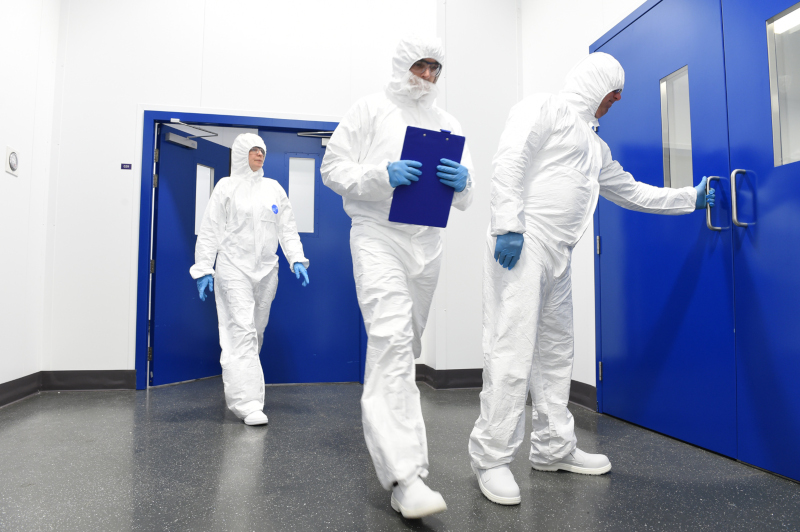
427 201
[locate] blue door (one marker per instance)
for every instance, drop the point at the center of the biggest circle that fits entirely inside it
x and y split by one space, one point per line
313 333
666 283
733 308
184 333
763 116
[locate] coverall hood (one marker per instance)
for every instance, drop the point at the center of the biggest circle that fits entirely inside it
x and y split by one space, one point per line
240 164
589 81
405 88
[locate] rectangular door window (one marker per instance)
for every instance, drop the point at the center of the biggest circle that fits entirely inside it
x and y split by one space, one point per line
301 192
676 129
205 184
783 37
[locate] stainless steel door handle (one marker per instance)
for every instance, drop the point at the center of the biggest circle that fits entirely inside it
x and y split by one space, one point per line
733 199
708 207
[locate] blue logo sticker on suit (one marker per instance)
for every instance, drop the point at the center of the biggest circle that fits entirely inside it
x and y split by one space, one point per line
275 209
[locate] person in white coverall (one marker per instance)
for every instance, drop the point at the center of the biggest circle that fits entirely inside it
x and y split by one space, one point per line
246 217
396 266
548 171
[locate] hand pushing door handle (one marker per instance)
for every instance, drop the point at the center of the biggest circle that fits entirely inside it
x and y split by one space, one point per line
733 199
708 207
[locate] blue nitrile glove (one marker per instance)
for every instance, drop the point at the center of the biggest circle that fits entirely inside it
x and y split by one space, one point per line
298 269
453 174
202 283
508 249
702 197
403 172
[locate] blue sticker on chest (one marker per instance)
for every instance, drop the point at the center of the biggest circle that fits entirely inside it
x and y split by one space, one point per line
275 209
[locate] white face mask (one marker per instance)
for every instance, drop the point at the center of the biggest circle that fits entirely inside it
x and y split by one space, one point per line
415 87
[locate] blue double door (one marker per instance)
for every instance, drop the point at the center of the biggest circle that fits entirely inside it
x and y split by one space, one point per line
698 327
314 332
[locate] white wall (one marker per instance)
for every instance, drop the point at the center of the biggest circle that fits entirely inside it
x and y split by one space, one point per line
480 86
555 36
281 68
87 70
29 43
251 57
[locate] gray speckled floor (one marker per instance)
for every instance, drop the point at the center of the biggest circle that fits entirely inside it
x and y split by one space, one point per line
174 458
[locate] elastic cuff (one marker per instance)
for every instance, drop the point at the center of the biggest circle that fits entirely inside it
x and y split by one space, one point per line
304 261
198 273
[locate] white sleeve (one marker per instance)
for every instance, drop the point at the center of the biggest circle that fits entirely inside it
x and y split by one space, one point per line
528 126
287 233
342 169
212 231
619 186
462 200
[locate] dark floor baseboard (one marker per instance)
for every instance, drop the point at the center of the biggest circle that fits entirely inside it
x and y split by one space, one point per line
583 394
18 388
89 380
66 380
580 393
449 378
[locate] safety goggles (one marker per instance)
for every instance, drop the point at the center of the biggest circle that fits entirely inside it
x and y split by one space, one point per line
256 148
617 91
421 66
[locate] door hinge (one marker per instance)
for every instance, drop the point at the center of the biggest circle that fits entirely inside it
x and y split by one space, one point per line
155 180
600 371
149 354
152 266
155 156
598 244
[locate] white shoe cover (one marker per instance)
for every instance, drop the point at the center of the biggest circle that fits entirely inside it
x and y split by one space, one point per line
416 500
579 462
256 418
498 484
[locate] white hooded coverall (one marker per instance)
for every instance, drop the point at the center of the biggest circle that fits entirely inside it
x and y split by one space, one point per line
246 217
396 266
548 171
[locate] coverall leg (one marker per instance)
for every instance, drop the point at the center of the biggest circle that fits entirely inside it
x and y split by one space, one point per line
243 311
527 345
396 275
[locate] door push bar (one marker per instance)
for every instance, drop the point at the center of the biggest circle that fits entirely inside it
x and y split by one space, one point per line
733 199
708 207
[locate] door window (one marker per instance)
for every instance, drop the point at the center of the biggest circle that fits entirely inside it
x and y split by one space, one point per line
301 192
783 37
202 192
676 129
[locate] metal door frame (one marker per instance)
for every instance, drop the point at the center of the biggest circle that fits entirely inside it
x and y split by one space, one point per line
153 118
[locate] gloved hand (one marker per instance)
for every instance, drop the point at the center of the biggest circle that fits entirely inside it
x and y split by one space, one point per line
508 249
453 174
202 283
298 269
702 197
403 172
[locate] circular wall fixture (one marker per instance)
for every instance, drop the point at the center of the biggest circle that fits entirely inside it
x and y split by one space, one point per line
12 160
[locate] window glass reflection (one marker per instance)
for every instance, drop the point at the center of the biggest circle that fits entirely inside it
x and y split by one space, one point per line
202 192
783 34
676 129
301 192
